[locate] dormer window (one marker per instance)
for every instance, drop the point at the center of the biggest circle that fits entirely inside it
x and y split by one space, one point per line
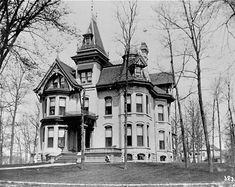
138 71
86 77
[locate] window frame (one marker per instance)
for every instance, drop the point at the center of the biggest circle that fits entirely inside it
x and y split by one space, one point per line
108 139
139 106
162 143
62 112
50 144
160 108
85 76
51 107
129 137
140 138
108 108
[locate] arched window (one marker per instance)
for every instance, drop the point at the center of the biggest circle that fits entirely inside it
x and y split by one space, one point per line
108 136
162 158
86 104
108 105
140 156
139 103
129 135
140 135
160 113
161 140
129 157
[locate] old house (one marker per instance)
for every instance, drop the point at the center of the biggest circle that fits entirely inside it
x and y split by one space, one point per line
149 136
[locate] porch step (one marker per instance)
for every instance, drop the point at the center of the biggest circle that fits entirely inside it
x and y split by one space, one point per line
66 158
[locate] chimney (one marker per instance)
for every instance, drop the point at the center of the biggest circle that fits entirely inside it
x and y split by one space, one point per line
144 50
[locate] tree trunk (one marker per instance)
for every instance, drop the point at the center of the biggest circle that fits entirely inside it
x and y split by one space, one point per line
220 141
193 141
13 131
213 130
210 164
1 134
178 100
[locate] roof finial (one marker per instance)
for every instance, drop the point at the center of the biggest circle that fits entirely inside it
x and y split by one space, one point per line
57 55
92 7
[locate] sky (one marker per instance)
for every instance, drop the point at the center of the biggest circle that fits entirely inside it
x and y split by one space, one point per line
220 56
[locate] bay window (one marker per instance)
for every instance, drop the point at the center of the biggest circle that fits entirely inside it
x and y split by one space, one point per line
139 103
52 106
140 135
50 137
62 105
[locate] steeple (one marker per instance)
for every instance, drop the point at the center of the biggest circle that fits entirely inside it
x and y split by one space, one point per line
92 39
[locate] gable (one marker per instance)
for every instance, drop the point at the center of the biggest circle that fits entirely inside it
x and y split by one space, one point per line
62 70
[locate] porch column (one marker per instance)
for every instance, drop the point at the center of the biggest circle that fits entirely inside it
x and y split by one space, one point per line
65 140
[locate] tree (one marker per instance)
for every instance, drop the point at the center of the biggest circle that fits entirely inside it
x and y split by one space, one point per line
126 20
19 17
193 24
16 88
169 43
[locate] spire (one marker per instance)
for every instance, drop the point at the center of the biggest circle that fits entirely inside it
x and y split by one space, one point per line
92 39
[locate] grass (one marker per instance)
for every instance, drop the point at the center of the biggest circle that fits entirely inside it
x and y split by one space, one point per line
137 173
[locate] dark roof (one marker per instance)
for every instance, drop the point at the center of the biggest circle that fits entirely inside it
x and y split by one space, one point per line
110 75
161 78
68 72
159 90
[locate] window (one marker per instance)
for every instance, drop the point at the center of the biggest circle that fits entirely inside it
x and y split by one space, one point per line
162 158
50 138
140 156
128 102
108 105
86 104
108 136
61 137
57 81
160 113
147 104
161 140
138 71
52 106
139 103
147 136
45 106
140 135
62 105
86 77
129 157
129 135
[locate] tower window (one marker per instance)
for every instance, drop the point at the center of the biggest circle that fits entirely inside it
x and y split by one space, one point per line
108 105
160 113
86 77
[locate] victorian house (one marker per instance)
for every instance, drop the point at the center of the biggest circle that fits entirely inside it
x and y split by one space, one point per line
149 133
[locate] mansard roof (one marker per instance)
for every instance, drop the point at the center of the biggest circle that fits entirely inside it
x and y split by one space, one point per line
161 78
67 71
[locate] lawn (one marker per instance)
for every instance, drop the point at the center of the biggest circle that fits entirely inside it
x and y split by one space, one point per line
136 173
